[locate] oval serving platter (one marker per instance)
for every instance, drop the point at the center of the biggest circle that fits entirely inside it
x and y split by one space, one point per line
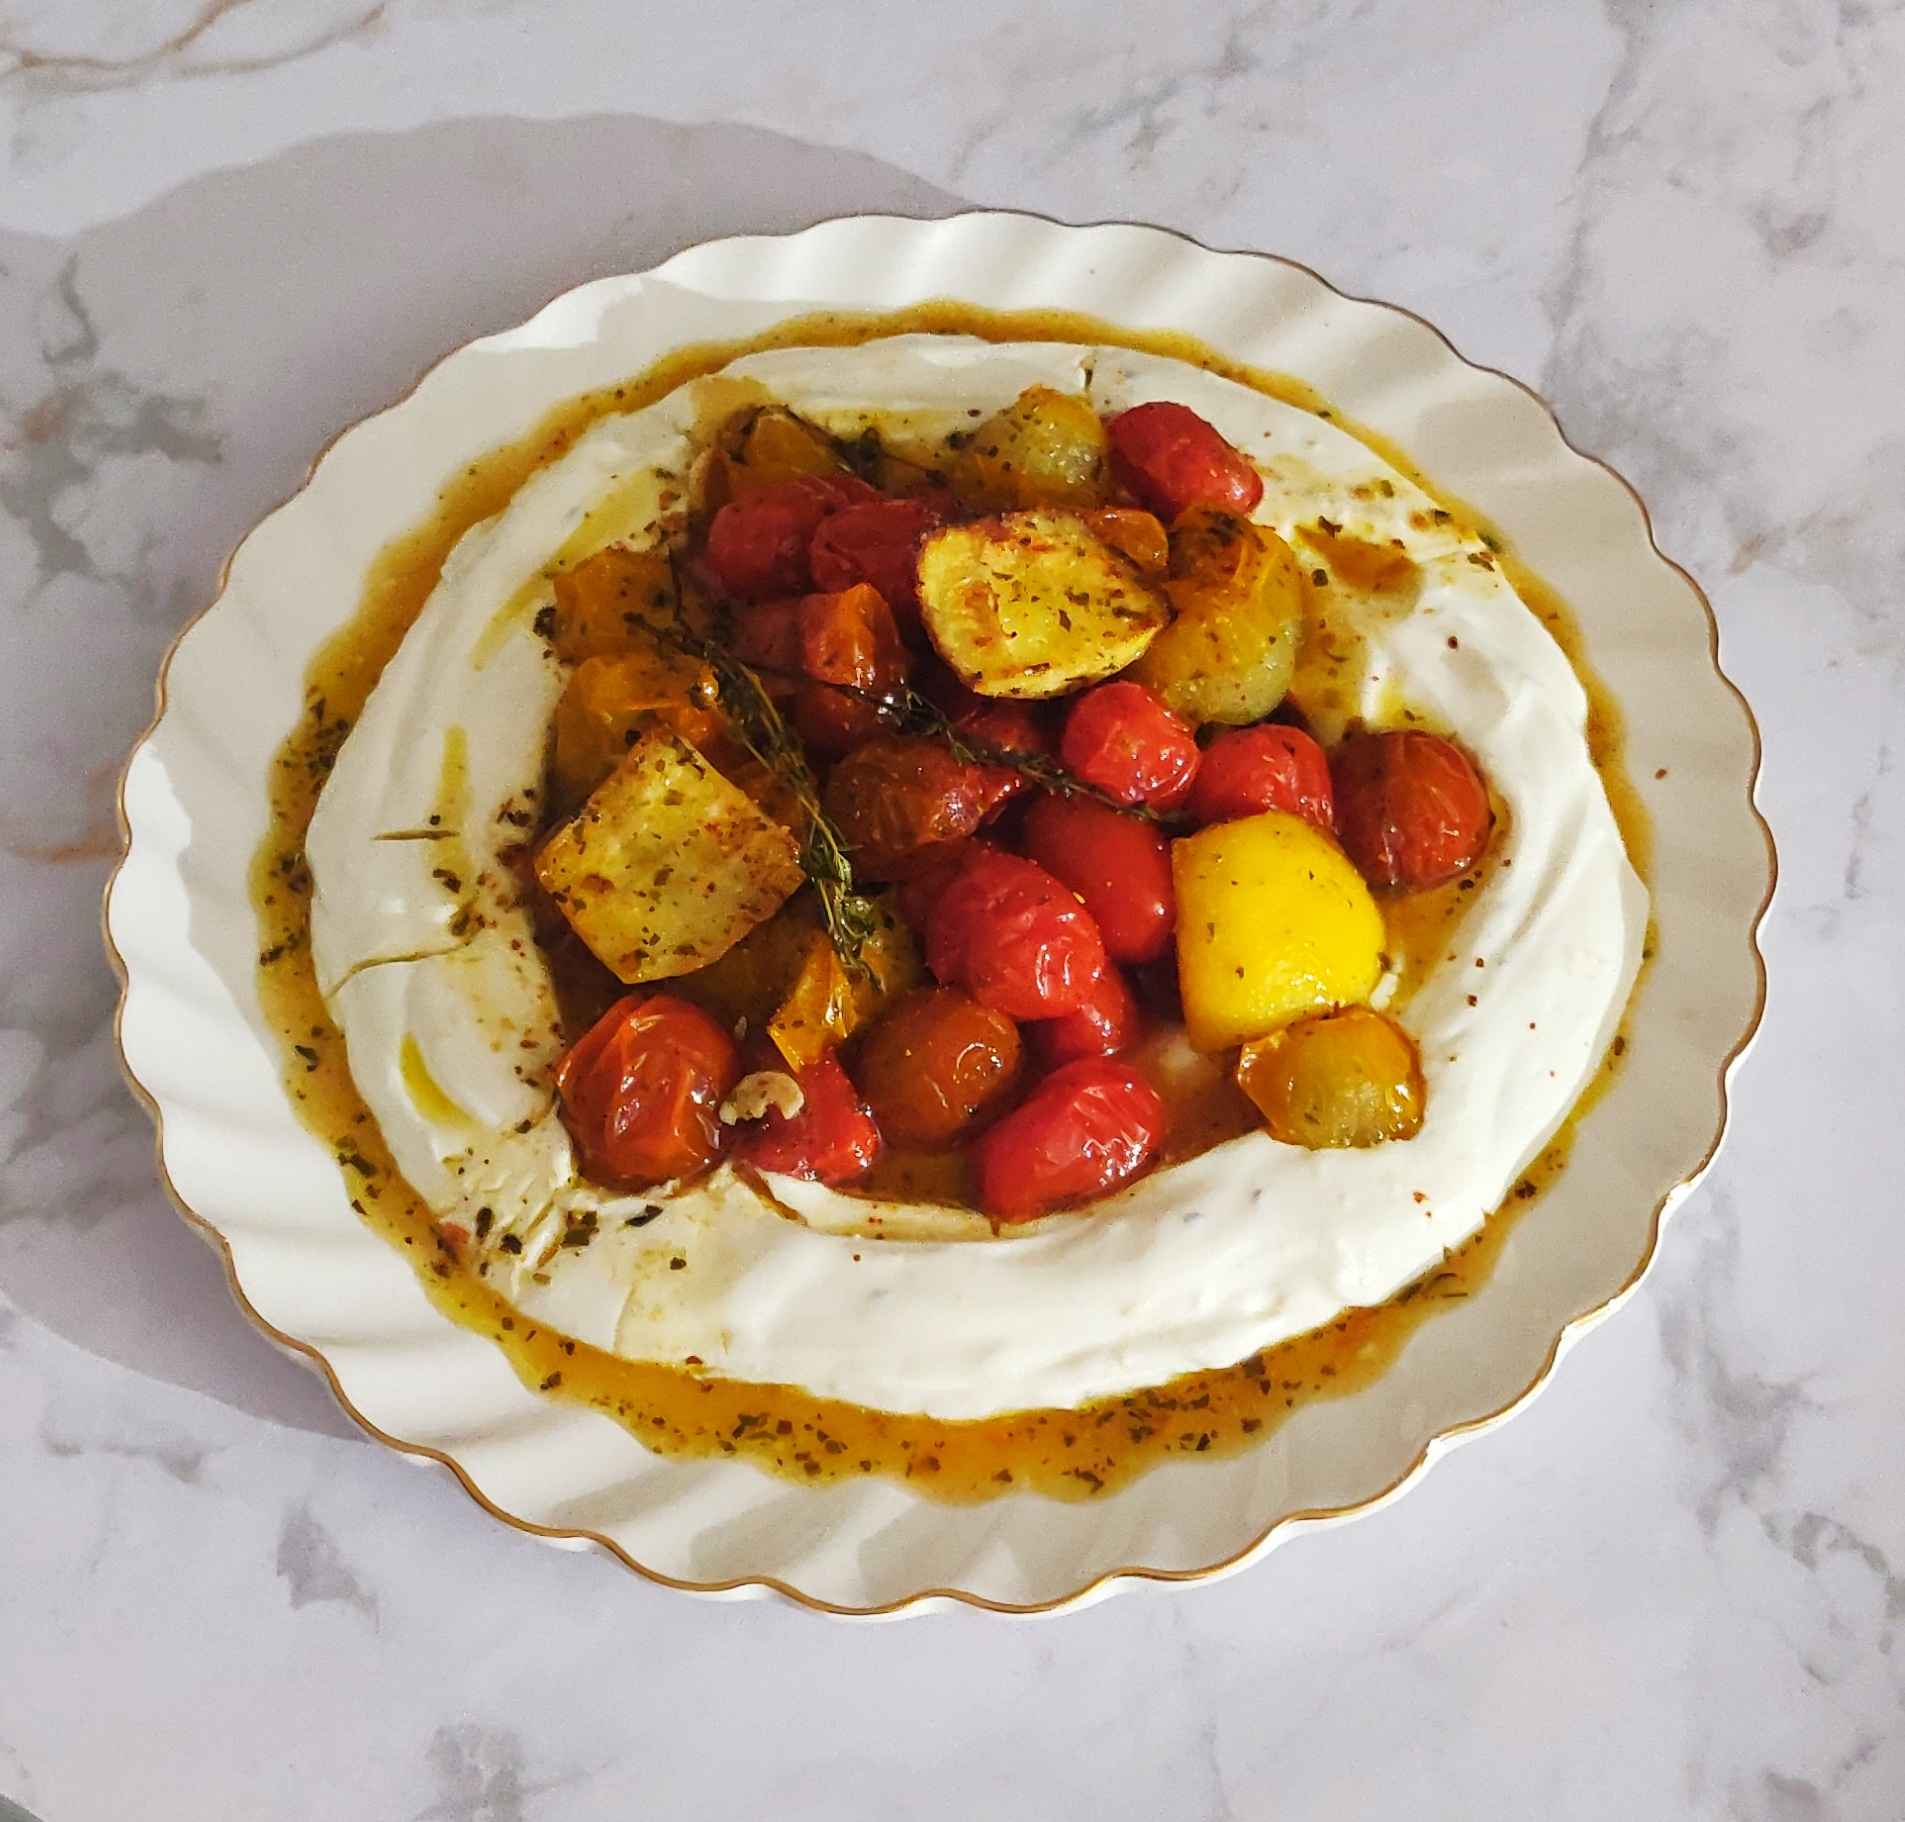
196 1044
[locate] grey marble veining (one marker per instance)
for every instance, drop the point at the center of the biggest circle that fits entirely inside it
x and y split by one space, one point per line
1675 1587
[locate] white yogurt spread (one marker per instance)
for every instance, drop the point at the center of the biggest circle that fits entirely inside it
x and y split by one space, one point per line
449 1017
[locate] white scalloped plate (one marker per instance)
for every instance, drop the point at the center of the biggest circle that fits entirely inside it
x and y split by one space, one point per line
195 1043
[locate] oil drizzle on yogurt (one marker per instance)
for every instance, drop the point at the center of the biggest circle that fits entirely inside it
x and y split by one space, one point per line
1067 1454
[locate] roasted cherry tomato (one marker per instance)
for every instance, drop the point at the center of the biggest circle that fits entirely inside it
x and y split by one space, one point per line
1133 533
1269 767
920 890
1348 1078
833 1139
876 542
1411 808
1084 1130
1170 458
767 633
757 546
846 638
1105 1024
641 1091
937 1065
902 802
1122 739
1119 865
1014 938
1008 727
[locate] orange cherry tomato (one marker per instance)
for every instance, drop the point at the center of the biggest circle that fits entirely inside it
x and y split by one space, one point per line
1013 937
1122 739
878 542
833 1139
1105 1024
757 546
847 638
1084 1130
1119 865
641 1091
902 802
1269 767
1411 809
1170 458
937 1065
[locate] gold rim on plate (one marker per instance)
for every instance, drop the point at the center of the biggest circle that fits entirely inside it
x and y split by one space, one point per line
1135 1572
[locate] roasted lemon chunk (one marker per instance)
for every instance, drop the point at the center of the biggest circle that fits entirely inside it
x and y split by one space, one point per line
668 865
1033 604
1272 922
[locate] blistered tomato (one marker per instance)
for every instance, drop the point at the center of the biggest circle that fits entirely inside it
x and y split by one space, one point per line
833 1139
1122 739
641 1091
1170 458
1105 1024
1270 767
1014 938
1411 809
757 546
877 542
1119 865
1084 1130
902 803
937 1064
1006 727
849 639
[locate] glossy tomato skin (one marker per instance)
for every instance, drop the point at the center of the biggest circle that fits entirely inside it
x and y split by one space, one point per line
1119 865
847 638
757 546
1006 727
903 804
876 541
1411 808
1122 739
833 1139
641 1091
1084 1130
767 633
1170 458
1268 767
1014 937
938 1064
1108 1022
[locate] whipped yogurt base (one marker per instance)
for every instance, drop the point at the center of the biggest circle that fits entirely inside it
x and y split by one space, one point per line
450 1024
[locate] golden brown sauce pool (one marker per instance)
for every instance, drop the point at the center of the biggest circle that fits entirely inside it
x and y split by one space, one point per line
1068 1454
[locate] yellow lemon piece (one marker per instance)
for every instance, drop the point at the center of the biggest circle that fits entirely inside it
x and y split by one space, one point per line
1272 922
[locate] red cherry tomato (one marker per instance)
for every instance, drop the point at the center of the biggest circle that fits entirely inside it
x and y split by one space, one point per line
1170 458
1122 739
1014 938
1119 865
1411 809
902 803
846 638
833 1139
1084 1130
1008 727
768 634
757 546
1263 768
923 887
876 542
1105 1024
641 1091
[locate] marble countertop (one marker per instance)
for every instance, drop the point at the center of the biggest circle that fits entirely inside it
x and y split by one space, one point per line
1673 1587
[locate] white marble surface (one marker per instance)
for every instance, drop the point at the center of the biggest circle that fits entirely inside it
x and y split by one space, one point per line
1672 1588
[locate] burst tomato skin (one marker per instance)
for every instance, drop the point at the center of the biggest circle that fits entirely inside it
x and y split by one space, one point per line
875 541
1268 767
848 639
937 1065
758 546
1411 808
904 804
833 1139
1014 938
1084 1130
1122 739
641 1091
1119 865
1170 458
1105 1024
